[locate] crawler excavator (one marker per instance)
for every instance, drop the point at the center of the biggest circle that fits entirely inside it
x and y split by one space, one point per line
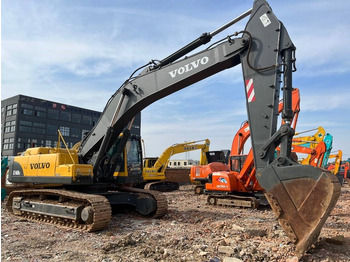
233 183
339 168
301 196
344 172
309 141
154 167
315 155
334 168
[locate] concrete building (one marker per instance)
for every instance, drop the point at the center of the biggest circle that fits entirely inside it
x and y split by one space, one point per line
182 163
28 121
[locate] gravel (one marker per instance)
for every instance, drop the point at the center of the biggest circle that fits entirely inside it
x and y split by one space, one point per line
191 231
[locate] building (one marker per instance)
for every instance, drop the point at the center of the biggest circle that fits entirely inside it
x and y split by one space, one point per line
28 121
182 163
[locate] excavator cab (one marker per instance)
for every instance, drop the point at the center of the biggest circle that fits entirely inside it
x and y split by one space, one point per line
149 161
237 162
216 156
129 162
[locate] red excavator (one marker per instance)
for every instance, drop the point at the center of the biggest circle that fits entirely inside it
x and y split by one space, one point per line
234 183
315 155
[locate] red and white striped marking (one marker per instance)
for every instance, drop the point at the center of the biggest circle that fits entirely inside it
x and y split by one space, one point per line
250 90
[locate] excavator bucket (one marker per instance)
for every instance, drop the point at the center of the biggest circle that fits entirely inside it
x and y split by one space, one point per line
302 198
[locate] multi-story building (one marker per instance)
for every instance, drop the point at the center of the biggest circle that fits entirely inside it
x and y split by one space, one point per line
28 121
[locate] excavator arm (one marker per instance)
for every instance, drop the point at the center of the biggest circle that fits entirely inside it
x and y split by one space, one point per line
246 173
312 142
307 140
338 159
155 168
315 155
243 133
301 196
163 160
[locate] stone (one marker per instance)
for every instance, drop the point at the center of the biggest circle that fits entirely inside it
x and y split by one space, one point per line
256 232
214 259
337 240
292 259
231 259
226 250
237 228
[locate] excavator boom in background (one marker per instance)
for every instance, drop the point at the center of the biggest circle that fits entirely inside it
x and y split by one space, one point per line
301 196
233 183
315 155
154 167
310 142
337 162
344 171
340 168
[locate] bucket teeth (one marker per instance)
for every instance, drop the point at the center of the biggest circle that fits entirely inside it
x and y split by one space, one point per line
276 208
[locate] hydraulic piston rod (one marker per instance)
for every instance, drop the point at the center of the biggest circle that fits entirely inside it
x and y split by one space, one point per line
232 22
202 40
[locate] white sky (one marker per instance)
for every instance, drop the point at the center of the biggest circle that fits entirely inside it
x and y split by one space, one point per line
79 53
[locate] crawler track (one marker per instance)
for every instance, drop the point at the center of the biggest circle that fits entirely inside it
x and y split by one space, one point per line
233 200
163 186
162 204
99 206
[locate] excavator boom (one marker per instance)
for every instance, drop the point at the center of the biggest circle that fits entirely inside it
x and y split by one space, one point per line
337 162
153 172
163 160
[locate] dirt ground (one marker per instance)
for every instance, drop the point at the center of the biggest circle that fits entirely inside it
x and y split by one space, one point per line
191 231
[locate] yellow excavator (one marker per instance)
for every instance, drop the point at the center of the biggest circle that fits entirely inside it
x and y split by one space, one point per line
154 167
334 168
309 141
338 168
78 187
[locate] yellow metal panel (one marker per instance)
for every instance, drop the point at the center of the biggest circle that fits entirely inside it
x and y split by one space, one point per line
74 170
152 174
37 151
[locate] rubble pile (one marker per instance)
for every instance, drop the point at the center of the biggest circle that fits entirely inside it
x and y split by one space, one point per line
191 231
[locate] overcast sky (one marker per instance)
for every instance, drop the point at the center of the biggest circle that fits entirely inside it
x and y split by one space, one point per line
80 52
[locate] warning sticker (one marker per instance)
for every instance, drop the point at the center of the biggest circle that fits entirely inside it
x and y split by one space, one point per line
265 20
250 90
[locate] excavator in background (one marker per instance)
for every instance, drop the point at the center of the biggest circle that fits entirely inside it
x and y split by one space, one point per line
334 168
328 140
309 141
233 183
317 137
340 169
344 172
317 147
315 156
154 167
78 187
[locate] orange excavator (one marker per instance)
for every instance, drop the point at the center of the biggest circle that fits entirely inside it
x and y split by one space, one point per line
235 183
340 168
314 142
315 155
344 170
334 168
